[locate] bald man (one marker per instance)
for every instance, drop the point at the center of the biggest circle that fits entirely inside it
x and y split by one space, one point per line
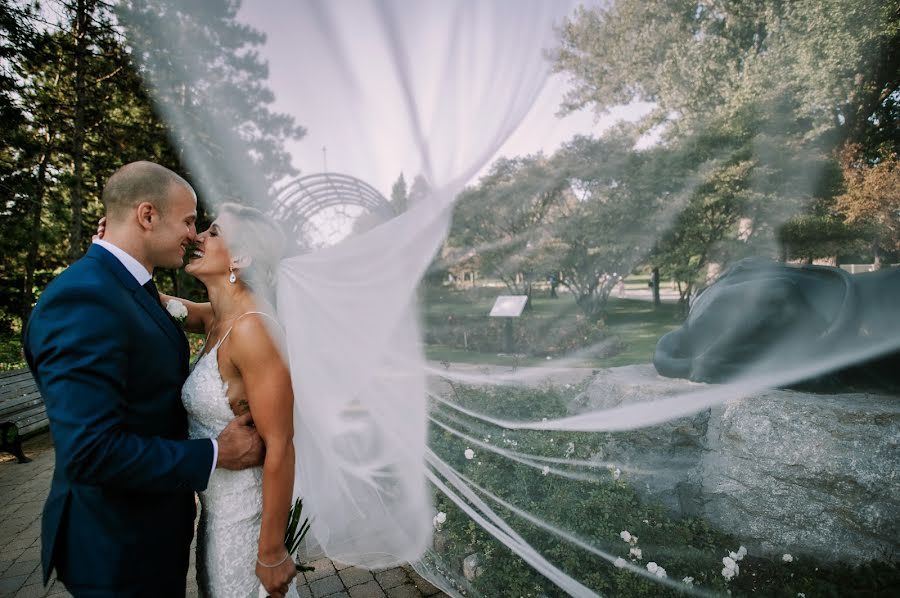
110 363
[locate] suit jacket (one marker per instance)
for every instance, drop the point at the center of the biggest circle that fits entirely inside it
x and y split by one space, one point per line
110 364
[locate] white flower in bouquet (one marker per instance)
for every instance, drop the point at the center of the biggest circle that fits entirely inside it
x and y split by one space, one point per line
787 558
688 581
176 309
470 454
636 553
625 535
619 562
652 567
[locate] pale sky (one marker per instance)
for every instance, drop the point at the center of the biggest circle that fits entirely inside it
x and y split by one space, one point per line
362 119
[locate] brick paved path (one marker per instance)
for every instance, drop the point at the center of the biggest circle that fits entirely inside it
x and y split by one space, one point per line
23 489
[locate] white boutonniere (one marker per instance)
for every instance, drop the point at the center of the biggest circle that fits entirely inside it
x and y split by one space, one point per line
176 309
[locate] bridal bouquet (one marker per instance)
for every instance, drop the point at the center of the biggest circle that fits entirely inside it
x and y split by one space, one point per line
296 531
293 536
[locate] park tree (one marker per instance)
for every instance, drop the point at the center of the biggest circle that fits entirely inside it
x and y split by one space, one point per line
777 85
75 105
872 198
398 195
620 199
207 80
504 219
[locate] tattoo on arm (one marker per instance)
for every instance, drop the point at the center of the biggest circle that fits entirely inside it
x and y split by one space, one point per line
241 407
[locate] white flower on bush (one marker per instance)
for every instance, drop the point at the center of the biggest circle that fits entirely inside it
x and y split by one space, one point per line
656 569
619 562
546 470
787 558
731 568
176 309
439 520
470 454
688 581
570 449
625 535
741 553
636 553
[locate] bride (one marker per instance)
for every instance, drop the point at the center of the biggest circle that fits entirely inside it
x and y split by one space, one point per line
239 370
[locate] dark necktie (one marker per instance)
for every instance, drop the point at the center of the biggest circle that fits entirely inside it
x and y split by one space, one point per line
151 288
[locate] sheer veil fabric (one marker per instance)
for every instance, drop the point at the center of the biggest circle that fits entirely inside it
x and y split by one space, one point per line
457 80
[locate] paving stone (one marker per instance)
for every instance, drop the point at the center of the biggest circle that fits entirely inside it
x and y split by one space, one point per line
353 576
31 591
326 585
9 585
407 590
22 567
367 590
23 491
426 587
323 568
37 576
391 578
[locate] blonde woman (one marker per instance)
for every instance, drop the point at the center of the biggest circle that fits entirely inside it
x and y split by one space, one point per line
240 370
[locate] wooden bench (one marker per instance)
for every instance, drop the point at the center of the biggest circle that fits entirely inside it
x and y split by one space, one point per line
22 411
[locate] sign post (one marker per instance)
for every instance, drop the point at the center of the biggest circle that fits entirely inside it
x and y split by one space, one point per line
509 307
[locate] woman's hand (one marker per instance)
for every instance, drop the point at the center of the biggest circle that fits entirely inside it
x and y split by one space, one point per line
277 579
101 229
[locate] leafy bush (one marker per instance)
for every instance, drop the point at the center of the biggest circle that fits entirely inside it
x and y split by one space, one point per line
538 337
598 511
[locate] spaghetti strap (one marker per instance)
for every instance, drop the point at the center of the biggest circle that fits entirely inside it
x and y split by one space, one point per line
261 313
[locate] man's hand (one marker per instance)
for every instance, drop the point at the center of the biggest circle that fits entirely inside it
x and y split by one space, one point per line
277 579
240 446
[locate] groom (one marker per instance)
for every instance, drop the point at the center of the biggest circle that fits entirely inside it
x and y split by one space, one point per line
110 363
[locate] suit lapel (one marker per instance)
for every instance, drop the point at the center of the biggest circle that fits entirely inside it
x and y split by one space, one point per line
143 298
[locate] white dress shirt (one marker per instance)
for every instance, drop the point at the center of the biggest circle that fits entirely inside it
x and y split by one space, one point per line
142 276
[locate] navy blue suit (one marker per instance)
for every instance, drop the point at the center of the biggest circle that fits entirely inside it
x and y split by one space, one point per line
110 364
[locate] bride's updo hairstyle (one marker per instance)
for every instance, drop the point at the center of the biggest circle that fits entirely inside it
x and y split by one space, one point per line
259 237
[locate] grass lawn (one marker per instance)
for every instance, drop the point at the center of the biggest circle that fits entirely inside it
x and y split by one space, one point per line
637 324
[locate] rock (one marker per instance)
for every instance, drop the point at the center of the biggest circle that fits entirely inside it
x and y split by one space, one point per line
472 566
784 471
660 461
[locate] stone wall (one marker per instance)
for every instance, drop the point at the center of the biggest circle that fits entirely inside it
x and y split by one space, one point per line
784 471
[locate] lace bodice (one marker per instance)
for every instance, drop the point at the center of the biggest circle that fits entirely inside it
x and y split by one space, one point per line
231 505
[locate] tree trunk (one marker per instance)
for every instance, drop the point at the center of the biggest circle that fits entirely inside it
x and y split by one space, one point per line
654 281
876 254
34 242
80 33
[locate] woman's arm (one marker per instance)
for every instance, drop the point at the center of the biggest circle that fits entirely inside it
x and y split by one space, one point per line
199 314
267 385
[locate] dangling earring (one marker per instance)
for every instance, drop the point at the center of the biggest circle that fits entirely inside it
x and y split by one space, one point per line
232 278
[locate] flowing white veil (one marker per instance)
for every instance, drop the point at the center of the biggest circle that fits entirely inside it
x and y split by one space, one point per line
387 441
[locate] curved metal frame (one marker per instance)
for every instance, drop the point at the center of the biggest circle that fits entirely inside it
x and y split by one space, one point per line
306 196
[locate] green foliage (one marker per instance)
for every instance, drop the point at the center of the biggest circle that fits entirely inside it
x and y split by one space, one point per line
755 97
505 219
597 511
52 123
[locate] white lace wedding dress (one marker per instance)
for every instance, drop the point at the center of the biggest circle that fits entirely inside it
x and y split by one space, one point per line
231 505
